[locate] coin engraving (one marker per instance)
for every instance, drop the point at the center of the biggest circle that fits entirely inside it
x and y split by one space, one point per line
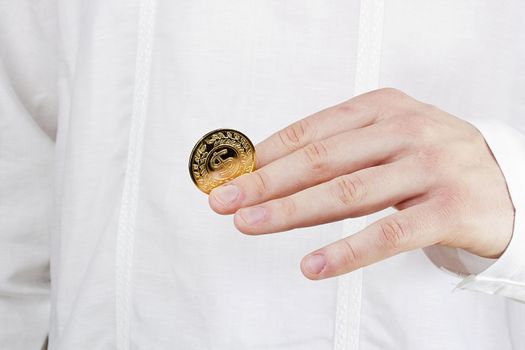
221 156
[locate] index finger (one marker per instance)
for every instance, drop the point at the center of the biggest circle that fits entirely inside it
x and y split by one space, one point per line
351 114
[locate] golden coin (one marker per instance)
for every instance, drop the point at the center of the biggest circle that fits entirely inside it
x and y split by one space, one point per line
220 156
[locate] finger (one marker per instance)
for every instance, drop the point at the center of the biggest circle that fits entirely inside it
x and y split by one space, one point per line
415 227
358 112
348 115
360 193
316 163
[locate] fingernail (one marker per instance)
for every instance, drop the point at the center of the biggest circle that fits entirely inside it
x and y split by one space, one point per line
252 215
315 263
226 194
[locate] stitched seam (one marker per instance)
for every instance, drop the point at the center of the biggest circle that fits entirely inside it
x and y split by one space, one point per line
500 282
127 217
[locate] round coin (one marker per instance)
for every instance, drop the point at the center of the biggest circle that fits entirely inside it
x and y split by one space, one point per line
220 156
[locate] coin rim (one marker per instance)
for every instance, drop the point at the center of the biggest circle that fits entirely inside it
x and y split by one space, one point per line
202 139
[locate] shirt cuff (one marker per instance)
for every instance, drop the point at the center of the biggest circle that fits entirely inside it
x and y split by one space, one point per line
504 276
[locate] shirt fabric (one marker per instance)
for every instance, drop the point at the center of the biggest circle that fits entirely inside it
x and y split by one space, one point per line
105 243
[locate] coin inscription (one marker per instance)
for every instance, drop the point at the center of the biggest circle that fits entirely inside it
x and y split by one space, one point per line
221 156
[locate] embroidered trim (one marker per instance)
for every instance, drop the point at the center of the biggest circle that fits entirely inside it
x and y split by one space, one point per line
369 45
128 209
348 312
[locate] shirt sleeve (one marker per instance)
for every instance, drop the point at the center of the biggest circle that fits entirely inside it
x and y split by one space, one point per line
504 276
27 127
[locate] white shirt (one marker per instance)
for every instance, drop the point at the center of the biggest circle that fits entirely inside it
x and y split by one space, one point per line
101 103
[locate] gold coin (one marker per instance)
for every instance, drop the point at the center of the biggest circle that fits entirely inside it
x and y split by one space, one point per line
220 156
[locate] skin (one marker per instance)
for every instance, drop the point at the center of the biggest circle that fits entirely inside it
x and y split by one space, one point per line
377 150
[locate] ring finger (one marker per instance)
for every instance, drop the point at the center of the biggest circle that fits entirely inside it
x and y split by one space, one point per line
360 193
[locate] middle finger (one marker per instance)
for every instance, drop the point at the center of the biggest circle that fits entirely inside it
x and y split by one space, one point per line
311 165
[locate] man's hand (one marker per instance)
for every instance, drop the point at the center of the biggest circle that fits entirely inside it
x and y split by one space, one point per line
377 150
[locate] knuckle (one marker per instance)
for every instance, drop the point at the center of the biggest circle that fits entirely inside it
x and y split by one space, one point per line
451 208
394 234
430 160
288 207
451 201
386 102
315 155
390 93
261 182
350 255
295 135
347 108
349 190
357 108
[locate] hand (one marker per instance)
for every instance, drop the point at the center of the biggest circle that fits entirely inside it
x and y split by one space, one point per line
375 151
